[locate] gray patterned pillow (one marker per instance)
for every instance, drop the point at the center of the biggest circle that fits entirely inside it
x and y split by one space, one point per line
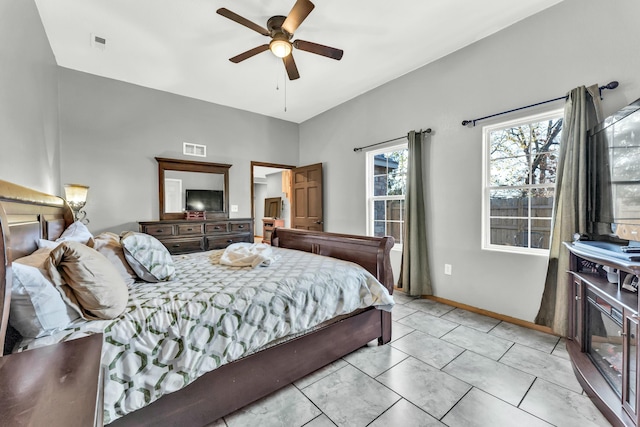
149 258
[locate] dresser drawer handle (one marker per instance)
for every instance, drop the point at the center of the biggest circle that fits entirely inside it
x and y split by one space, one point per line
230 241
176 245
217 227
189 229
159 231
241 226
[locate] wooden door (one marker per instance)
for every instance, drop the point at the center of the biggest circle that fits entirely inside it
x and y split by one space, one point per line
306 190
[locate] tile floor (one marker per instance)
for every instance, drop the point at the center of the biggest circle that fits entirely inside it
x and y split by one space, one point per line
444 367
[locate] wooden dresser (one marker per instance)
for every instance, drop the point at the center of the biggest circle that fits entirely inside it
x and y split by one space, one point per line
182 236
55 386
268 225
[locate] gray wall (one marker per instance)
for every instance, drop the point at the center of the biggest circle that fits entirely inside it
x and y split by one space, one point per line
29 134
111 132
573 43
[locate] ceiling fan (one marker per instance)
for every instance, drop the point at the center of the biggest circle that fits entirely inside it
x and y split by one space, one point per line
281 29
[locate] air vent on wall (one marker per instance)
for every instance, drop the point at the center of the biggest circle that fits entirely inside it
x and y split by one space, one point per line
190 149
98 42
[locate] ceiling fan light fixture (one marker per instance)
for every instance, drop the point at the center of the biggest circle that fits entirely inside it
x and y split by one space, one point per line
280 47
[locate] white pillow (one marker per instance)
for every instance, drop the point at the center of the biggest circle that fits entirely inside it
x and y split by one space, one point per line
47 244
75 232
149 258
37 308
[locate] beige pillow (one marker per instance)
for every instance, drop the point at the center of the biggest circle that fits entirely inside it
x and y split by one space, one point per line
108 244
87 281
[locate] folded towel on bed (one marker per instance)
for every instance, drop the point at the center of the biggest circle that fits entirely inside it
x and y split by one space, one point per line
248 255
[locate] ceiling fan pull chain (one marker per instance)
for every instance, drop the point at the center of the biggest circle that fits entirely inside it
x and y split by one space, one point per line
285 94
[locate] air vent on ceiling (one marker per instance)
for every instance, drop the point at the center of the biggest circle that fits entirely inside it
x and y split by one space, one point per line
190 149
98 42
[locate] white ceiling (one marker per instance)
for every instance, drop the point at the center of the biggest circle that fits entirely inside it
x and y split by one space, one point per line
183 46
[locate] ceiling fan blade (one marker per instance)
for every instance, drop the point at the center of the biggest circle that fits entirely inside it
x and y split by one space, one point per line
298 13
248 54
290 66
329 52
242 21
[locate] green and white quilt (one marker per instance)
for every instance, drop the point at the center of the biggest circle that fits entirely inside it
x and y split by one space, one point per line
211 314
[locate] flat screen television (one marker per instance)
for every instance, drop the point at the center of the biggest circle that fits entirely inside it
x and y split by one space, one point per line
204 200
614 178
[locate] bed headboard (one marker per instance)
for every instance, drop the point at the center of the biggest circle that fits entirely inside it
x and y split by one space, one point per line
25 216
372 253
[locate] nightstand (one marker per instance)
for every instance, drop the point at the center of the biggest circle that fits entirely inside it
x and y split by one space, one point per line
55 386
268 225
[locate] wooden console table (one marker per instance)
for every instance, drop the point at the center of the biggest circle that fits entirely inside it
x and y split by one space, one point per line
55 386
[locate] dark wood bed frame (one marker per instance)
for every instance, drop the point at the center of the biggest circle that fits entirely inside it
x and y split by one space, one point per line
27 215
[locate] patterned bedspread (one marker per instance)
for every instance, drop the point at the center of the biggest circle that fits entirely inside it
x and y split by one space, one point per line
173 332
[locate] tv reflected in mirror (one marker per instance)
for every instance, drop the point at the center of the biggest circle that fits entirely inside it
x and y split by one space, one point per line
204 200
272 207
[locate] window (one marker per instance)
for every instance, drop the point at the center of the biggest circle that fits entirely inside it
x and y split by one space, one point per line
520 163
386 187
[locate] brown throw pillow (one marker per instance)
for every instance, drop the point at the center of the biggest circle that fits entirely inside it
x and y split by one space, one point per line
87 281
108 244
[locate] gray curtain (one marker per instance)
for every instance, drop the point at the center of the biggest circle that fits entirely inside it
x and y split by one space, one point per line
581 113
414 269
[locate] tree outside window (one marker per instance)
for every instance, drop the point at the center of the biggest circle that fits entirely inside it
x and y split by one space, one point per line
521 159
387 178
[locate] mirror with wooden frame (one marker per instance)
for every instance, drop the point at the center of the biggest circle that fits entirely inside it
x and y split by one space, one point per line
272 207
186 185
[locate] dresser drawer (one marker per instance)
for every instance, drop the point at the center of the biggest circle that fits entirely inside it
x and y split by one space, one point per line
158 230
184 236
184 245
189 229
216 227
220 242
240 226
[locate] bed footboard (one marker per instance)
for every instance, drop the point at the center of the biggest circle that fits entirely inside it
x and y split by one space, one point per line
372 253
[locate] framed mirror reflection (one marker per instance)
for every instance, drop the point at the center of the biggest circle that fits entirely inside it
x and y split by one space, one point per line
186 185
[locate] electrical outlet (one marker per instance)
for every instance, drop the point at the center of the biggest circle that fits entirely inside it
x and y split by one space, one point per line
234 208
447 269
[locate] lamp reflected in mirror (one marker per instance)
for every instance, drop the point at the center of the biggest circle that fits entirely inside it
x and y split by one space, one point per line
76 196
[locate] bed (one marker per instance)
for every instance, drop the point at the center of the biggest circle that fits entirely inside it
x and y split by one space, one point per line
27 216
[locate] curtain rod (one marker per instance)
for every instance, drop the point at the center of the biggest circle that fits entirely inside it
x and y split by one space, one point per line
611 85
428 130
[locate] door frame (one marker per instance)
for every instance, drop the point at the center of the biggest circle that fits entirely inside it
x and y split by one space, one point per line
267 165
